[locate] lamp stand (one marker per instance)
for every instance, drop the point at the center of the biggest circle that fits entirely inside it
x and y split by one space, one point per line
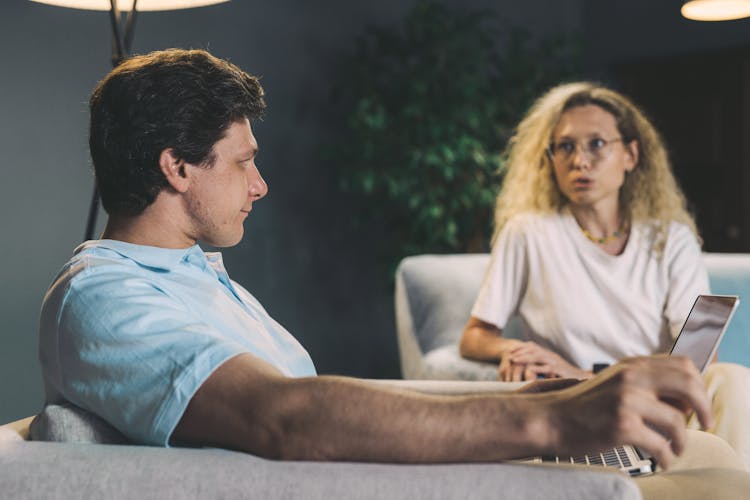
122 40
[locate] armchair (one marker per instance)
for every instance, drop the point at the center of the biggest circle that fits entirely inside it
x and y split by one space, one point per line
435 294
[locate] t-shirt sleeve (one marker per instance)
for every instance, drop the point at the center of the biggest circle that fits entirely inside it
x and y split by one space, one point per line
506 277
688 276
134 355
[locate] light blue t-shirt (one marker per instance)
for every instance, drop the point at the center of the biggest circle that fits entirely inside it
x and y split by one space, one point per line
130 332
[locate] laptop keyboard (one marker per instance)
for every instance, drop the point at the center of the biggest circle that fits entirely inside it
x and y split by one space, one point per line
615 457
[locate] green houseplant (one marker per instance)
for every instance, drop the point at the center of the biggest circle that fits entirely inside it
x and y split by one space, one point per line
429 106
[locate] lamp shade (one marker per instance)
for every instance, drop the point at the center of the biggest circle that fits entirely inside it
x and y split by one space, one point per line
125 5
715 10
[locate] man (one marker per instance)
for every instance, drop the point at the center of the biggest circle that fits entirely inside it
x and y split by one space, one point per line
148 332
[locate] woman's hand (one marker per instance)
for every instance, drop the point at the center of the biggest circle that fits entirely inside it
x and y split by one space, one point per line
528 360
509 372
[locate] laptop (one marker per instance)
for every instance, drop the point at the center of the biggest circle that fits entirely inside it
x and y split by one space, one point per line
698 340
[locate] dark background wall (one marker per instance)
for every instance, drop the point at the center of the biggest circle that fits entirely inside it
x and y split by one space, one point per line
300 256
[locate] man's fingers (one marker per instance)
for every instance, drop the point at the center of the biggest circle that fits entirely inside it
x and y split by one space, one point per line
684 386
666 420
655 444
673 380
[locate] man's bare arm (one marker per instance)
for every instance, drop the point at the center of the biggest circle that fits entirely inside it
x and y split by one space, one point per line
248 405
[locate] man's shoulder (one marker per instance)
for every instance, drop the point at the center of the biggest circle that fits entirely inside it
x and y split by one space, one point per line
91 261
100 269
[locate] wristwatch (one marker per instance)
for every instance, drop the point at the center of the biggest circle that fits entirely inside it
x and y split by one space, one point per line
599 367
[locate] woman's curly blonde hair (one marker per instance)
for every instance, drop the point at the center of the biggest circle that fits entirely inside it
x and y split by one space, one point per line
649 195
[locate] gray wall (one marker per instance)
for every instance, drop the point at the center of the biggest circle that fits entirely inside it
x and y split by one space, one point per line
300 256
621 31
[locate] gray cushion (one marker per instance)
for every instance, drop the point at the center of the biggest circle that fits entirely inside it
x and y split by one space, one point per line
445 363
441 290
68 423
434 297
72 470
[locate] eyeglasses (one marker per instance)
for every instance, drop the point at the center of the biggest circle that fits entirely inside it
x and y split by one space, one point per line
562 152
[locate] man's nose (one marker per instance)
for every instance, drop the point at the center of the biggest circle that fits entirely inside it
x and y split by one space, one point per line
256 185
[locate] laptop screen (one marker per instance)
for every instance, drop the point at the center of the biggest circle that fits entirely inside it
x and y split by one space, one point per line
704 328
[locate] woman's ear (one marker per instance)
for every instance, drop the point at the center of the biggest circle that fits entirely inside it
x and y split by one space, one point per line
174 170
631 153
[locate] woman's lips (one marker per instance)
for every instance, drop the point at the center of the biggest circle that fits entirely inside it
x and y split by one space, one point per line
582 183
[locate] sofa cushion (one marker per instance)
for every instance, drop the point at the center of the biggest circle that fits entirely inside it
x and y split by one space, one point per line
69 423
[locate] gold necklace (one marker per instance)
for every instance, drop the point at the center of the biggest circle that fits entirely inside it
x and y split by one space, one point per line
622 231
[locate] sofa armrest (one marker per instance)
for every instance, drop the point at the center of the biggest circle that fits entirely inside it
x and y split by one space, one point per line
65 470
18 428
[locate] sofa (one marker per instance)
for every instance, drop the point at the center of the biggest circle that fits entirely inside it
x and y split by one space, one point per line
88 465
435 293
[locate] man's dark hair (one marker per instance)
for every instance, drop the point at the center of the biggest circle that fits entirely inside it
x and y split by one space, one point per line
179 99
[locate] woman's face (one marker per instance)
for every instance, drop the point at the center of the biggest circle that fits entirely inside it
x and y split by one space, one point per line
589 157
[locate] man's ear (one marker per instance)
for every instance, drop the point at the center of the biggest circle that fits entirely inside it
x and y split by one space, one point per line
174 170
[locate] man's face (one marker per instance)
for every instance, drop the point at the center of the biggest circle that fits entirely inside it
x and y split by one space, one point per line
221 197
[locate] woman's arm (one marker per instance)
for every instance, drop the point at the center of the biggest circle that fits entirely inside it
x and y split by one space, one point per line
519 360
484 341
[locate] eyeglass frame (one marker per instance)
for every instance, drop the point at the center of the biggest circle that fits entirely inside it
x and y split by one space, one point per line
550 150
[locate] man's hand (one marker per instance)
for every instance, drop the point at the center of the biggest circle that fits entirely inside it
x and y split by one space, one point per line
639 401
547 385
527 360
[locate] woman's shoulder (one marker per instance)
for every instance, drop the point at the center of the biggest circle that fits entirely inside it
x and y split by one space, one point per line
531 221
675 236
531 229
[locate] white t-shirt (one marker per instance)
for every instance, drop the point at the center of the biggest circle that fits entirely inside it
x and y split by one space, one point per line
586 305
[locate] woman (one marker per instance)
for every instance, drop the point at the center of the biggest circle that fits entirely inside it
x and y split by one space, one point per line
593 247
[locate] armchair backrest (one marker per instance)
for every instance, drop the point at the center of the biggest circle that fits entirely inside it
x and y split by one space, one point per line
435 294
729 274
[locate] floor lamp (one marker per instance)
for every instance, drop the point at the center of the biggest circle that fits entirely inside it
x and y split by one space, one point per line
122 15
